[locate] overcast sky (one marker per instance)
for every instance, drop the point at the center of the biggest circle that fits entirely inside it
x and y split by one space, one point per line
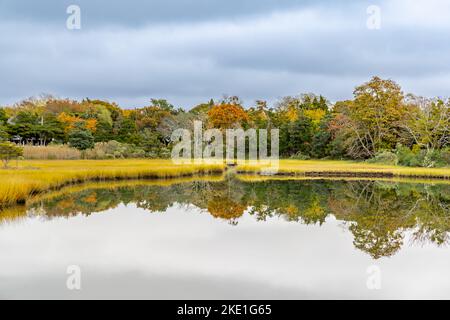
189 51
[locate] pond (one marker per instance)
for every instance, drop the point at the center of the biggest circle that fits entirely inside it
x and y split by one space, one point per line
230 238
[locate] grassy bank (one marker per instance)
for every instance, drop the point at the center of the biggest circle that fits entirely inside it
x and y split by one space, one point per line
15 213
35 177
317 168
32 177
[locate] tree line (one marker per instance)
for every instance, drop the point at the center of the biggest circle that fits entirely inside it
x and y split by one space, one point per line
381 123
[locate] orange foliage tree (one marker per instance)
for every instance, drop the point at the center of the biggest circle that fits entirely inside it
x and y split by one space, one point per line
225 208
70 122
224 116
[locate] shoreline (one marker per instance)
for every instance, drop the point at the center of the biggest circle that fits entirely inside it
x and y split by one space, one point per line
344 174
37 177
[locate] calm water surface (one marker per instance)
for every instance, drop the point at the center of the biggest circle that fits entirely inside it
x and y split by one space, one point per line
230 239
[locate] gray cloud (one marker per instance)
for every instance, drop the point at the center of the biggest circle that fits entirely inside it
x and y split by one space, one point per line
191 51
138 12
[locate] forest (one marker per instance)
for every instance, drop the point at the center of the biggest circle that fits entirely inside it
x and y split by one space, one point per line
379 124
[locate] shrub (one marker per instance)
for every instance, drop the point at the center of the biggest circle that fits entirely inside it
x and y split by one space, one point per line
408 157
114 150
445 154
423 158
385 157
300 156
437 158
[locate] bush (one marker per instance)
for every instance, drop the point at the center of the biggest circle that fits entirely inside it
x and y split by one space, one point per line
114 150
408 157
423 158
300 156
385 157
437 158
445 155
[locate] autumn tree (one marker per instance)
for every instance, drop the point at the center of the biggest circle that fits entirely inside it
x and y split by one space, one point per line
373 120
227 116
71 122
58 106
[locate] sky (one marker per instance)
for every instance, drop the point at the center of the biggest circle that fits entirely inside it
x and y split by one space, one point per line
189 51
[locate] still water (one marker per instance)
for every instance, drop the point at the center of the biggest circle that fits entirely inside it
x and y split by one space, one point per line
228 238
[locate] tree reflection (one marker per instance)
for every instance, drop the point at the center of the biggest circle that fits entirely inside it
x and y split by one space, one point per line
377 213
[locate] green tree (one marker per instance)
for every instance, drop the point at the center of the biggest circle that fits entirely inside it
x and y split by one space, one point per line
48 129
151 143
428 123
377 113
81 139
373 120
3 116
9 151
4 136
202 109
104 132
300 136
23 125
296 136
126 131
162 104
321 140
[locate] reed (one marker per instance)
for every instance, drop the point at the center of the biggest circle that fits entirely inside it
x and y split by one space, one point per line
56 152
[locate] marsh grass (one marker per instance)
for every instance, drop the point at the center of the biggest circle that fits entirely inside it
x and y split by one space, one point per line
304 167
12 214
38 176
34 177
16 213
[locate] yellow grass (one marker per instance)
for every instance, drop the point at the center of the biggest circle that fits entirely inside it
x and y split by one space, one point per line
252 178
37 176
33 177
16 213
302 167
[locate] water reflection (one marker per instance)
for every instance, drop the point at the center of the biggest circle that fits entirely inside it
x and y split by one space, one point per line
377 213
